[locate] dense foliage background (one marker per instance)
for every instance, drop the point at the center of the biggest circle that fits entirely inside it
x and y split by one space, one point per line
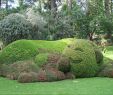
56 19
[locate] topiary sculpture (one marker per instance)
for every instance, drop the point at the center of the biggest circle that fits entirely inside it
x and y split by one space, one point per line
54 60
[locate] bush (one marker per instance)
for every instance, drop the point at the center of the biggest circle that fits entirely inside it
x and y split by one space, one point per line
99 57
41 59
53 60
17 51
38 22
82 57
12 71
106 70
64 64
98 53
50 74
70 75
24 66
3 13
15 27
27 49
27 77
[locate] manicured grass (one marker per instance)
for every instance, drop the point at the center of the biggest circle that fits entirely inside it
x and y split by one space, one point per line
84 86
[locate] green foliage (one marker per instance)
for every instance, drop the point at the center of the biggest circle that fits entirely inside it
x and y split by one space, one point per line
82 57
98 54
17 51
99 57
106 70
27 49
41 59
64 64
75 55
14 27
3 13
50 74
27 77
51 46
12 71
70 75
38 22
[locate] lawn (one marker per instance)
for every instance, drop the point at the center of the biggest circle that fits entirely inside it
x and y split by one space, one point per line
85 86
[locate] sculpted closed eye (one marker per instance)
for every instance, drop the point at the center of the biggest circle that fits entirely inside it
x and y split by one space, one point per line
78 49
77 61
68 46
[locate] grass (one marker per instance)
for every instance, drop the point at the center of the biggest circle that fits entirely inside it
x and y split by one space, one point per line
85 86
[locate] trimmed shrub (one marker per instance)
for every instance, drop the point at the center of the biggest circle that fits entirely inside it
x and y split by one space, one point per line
4 69
24 66
53 60
42 76
50 74
18 51
27 77
82 56
15 27
98 53
106 70
64 64
99 57
70 75
41 59
12 71
28 49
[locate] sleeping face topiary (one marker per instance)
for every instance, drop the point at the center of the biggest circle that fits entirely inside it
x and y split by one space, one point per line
57 61
82 56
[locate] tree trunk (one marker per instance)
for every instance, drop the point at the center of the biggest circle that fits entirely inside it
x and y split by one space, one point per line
69 4
53 7
107 8
6 4
90 36
0 3
21 3
111 6
40 6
